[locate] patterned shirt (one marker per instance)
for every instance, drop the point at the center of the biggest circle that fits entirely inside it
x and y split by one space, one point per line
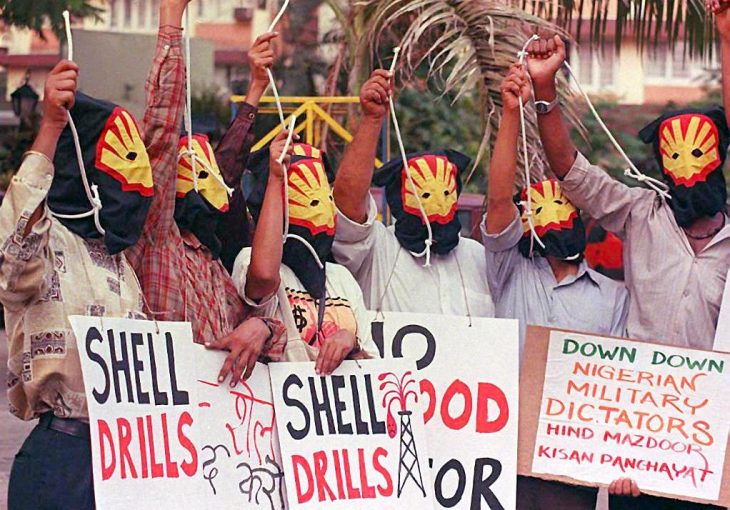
675 292
180 278
45 276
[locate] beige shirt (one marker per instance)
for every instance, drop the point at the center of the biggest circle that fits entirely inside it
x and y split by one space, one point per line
393 280
675 293
46 276
298 311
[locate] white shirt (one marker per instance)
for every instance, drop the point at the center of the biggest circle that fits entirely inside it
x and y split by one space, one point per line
298 310
394 280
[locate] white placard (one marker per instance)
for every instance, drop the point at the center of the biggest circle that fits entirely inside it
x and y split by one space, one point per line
239 447
469 372
352 440
141 412
613 408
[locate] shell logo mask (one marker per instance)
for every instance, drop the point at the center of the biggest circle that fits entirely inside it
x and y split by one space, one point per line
688 146
311 204
434 178
122 154
209 177
551 209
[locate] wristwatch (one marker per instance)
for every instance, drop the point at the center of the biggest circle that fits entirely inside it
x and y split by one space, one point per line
545 107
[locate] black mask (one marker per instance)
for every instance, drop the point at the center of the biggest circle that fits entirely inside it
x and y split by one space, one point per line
437 178
557 223
311 211
116 162
690 147
200 211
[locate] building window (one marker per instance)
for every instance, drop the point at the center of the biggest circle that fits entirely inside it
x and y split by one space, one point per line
656 63
143 14
113 18
595 68
127 13
674 65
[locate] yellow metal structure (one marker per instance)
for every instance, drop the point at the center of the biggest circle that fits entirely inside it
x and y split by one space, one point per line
312 116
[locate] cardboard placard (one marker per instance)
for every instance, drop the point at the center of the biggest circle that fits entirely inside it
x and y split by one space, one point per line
468 372
141 412
352 440
593 409
240 459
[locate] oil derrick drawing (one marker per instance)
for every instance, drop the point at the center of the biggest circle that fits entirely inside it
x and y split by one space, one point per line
397 394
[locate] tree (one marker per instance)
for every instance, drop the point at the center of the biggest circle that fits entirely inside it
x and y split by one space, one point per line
35 14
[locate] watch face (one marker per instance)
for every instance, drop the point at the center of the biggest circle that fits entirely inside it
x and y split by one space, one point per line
541 107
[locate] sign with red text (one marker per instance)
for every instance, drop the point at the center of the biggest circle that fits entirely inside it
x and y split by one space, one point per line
142 412
239 447
613 408
468 374
354 439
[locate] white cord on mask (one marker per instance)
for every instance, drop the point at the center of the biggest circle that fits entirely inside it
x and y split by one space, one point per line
203 163
285 170
527 204
631 171
188 102
92 192
429 241
272 82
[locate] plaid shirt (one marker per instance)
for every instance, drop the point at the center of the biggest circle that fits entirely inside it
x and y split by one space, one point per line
180 279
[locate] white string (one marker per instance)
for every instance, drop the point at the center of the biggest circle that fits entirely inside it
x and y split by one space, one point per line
280 161
92 192
272 81
527 204
404 158
216 176
631 171
188 101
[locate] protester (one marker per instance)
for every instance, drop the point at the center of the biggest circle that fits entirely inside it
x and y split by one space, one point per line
53 266
234 228
543 281
541 284
677 250
181 278
291 278
392 265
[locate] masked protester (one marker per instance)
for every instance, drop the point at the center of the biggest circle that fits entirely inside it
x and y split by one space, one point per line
288 272
421 264
177 256
535 247
676 249
64 224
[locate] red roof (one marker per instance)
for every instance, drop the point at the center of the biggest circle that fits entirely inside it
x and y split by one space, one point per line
32 61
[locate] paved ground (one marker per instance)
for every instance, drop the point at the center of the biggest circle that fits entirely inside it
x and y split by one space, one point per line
12 430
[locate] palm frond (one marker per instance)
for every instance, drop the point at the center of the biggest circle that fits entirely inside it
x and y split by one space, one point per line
467 46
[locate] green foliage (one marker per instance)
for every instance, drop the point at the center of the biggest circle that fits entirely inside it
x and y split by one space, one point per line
207 100
34 14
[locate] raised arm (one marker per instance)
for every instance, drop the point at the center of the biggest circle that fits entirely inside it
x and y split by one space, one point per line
165 101
502 169
356 169
262 279
234 229
545 58
24 220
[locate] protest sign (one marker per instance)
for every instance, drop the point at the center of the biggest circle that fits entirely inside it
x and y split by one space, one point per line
722 334
596 409
239 448
141 413
468 371
352 440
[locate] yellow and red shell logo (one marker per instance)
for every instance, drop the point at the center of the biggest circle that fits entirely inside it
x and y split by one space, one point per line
121 153
306 150
210 181
434 178
311 204
689 148
551 209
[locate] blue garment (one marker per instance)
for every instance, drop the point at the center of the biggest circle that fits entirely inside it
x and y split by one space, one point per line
526 289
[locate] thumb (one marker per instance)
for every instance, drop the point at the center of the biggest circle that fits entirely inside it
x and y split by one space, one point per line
560 45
